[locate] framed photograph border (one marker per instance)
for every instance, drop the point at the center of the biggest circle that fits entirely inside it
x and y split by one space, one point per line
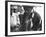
6 18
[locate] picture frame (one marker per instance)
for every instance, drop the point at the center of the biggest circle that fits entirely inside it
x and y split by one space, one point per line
24 3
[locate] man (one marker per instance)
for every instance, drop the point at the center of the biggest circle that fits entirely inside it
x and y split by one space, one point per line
15 21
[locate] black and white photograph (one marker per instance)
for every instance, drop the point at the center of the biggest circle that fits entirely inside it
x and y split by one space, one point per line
25 18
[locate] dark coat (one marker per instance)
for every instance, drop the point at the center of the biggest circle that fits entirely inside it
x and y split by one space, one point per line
27 26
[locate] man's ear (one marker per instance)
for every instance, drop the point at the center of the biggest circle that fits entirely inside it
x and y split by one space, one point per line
32 15
40 21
